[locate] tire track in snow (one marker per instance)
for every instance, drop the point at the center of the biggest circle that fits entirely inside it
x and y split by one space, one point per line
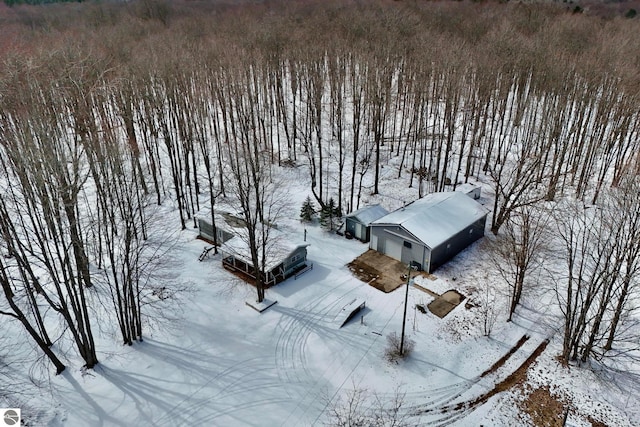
492 383
443 405
352 370
237 379
292 365
290 351
319 315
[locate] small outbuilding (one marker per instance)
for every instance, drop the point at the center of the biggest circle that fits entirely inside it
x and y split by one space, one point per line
357 223
430 231
469 189
223 230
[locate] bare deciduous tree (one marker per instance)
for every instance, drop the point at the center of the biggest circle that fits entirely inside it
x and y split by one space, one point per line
250 181
600 249
520 249
360 408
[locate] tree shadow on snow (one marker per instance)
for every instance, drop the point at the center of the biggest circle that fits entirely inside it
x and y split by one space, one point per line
197 384
97 416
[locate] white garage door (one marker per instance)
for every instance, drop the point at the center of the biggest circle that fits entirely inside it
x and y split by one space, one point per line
394 248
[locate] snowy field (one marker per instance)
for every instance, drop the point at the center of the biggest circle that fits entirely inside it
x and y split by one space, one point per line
211 360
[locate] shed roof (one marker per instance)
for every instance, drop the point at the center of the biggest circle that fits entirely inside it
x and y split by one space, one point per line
368 214
222 219
437 217
467 187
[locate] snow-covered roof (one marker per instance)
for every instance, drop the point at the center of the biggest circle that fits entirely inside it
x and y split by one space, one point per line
368 214
436 217
467 187
279 248
224 220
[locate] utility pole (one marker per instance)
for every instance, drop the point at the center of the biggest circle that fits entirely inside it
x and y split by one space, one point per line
404 317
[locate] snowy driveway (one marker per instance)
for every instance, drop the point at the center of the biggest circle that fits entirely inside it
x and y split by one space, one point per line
221 363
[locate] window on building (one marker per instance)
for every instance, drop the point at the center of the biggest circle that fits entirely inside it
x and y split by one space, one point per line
295 258
407 244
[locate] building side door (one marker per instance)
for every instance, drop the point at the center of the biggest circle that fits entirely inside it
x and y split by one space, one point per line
407 256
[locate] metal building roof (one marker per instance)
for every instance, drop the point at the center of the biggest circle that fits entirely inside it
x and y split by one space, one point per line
368 214
436 217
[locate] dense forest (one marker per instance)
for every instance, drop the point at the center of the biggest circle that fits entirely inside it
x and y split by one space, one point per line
107 109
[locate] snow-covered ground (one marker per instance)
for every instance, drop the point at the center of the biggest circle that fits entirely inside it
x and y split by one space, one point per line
211 360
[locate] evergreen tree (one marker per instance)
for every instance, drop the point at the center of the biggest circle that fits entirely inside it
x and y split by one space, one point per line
336 211
330 215
325 215
308 211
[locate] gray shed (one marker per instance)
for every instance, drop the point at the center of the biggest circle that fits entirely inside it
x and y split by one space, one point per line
470 190
357 222
224 231
431 230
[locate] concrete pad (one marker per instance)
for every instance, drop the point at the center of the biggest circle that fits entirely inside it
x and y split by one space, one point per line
454 297
380 271
446 302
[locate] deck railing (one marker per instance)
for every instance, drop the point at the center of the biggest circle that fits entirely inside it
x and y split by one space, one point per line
304 270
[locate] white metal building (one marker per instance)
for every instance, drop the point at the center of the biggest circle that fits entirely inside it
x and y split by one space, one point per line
431 230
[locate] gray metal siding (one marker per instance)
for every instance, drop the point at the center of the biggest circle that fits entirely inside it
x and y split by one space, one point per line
413 254
366 235
381 231
430 259
350 226
206 231
456 244
223 236
379 241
